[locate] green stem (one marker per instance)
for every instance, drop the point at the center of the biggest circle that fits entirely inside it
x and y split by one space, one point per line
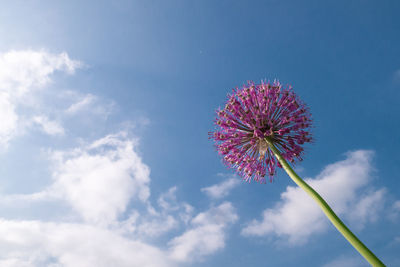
357 244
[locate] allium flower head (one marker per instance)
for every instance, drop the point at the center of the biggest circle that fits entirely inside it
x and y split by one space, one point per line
253 114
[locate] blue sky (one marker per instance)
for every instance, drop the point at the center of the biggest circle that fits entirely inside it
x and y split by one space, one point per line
105 108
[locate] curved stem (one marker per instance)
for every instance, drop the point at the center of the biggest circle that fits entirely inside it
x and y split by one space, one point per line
354 241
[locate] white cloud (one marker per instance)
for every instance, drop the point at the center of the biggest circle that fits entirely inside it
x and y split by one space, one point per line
83 103
35 243
155 226
21 72
169 204
171 215
100 189
367 208
87 104
38 243
99 180
8 118
222 189
207 235
344 185
48 126
167 201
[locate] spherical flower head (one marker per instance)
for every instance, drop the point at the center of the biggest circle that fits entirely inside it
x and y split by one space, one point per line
256 113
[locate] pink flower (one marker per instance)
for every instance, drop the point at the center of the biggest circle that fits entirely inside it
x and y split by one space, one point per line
254 113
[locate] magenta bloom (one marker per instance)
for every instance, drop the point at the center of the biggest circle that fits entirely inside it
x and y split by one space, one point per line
257 112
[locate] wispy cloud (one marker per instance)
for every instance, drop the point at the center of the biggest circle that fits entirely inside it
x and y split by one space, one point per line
344 185
83 103
88 103
36 243
396 205
48 126
8 118
21 73
24 70
206 236
170 215
394 211
222 189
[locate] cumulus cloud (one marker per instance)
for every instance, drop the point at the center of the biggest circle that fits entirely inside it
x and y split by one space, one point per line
100 189
99 180
170 215
206 236
21 72
68 244
36 243
344 185
222 189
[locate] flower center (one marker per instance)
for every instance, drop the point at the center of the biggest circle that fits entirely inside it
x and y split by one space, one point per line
262 147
